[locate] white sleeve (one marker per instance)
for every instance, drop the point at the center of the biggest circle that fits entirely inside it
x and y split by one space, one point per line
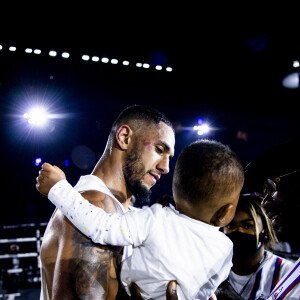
91 220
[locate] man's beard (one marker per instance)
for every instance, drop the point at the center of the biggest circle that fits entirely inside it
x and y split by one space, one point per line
134 171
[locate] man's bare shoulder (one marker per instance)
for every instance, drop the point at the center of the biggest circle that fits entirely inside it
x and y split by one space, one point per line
101 200
74 263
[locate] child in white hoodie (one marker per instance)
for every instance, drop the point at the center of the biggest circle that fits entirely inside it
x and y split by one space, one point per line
182 243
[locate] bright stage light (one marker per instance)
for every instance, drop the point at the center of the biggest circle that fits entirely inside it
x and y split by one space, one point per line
37 116
85 57
202 128
291 81
95 58
65 55
37 161
296 64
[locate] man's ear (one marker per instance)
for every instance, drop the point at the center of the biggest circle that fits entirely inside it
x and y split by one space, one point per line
224 215
123 136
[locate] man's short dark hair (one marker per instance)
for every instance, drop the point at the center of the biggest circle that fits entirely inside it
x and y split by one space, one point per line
140 114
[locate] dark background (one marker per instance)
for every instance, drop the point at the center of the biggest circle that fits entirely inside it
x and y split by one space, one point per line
228 66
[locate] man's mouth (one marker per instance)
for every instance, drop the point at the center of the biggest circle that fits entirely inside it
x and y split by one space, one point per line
154 177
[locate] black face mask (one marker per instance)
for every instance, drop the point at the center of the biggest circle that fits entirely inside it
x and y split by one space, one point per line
244 245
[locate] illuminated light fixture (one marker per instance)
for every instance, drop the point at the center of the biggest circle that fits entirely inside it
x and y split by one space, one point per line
38 161
291 81
202 129
37 116
66 163
296 64
65 55
95 58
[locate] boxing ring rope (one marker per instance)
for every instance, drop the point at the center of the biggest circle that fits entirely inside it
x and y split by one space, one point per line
33 234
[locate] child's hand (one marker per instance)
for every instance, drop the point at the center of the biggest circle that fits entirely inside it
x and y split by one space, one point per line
48 176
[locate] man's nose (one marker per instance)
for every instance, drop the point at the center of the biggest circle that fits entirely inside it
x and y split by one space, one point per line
163 165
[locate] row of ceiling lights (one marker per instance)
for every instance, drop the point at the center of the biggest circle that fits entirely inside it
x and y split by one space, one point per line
86 57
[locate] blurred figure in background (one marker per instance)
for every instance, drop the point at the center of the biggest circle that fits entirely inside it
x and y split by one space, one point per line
276 175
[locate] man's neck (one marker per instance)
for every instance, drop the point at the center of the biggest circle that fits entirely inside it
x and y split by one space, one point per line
112 176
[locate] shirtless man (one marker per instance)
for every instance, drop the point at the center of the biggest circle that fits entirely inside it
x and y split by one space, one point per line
138 150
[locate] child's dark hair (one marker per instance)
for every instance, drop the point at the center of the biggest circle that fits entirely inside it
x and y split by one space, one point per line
206 169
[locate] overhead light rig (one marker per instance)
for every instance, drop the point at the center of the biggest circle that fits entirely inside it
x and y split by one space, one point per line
86 57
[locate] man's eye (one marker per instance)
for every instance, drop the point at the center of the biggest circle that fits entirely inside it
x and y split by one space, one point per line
159 150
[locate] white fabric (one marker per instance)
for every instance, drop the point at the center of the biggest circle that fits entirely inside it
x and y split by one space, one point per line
287 283
167 245
88 183
244 285
92 182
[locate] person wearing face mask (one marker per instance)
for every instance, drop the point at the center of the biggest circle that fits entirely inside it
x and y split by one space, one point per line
256 270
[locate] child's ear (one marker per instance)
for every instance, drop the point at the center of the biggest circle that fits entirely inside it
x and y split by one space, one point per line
224 215
123 136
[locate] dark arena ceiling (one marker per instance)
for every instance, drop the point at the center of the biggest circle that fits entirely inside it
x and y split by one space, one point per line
227 71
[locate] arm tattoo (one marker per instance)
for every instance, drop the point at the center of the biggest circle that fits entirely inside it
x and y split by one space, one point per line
94 268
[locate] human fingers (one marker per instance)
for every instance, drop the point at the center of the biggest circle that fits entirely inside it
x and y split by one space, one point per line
43 173
58 169
46 167
38 183
172 290
135 292
40 186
